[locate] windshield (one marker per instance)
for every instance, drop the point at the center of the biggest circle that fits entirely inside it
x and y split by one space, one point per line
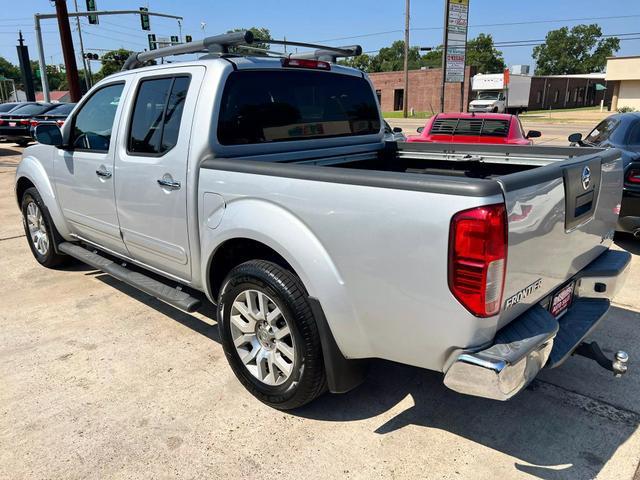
488 95
62 109
31 109
285 105
602 132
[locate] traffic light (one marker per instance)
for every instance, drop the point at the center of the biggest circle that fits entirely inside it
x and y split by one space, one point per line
91 7
144 18
152 41
91 56
188 39
174 39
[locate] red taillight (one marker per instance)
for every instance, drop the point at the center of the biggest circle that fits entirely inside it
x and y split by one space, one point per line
477 258
24 122
633 176
60 122
304 63
1 122
34 123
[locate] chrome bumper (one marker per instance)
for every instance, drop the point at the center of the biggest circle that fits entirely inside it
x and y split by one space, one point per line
535 339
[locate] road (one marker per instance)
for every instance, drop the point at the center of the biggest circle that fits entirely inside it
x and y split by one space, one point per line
98 380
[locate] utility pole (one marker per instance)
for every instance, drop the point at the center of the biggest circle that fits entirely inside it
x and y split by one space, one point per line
405 97
87 71
67 50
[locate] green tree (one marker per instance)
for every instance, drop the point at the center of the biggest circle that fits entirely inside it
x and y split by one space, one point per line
579 50
258 33
9 70
481 53
112 62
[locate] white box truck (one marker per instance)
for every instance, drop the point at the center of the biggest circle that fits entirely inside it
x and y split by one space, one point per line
490 94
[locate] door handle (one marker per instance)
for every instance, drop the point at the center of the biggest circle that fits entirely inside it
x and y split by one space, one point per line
103 173
169 183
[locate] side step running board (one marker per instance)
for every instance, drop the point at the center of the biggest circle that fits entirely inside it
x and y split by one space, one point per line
159 290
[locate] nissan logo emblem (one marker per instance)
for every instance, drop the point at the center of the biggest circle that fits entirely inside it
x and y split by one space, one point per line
586 177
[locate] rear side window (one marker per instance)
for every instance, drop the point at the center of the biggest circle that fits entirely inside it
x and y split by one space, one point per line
275 106
634 133
157 112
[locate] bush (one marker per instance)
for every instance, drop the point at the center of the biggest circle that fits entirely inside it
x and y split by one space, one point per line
626 109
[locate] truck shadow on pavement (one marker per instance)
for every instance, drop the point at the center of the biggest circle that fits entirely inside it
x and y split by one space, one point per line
627 242
552 432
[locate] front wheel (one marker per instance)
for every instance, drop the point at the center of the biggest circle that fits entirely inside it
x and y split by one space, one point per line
40 231
269 335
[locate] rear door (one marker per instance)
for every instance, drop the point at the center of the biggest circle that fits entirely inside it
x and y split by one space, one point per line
84 174
151 165
560 218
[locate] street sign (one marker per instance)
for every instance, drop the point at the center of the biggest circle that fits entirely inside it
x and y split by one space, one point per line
91 7
188 39
456 40
144 19
152 41
174 39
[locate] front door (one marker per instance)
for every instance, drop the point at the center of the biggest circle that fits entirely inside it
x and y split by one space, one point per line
84 174
151 165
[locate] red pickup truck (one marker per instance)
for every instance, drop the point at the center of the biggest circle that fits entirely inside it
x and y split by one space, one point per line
495 128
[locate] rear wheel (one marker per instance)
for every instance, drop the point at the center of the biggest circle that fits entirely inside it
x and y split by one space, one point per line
270 336
23 143
40 231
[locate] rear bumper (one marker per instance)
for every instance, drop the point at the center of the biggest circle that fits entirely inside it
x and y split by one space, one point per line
536 338
629 219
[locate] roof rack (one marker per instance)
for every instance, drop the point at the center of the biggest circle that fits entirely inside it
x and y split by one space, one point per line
219 45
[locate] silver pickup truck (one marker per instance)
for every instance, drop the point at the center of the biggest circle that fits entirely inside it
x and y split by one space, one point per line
265 184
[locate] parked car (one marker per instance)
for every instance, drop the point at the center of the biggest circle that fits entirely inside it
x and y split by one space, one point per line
621 131
393 134
494 128
56 115
273 192
15 124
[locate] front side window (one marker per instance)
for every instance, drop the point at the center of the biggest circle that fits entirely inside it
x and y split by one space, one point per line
93 124
276 106
156 115
602 132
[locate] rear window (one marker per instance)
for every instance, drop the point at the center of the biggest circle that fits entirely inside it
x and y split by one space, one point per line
275 106
470 126
62 109
31 109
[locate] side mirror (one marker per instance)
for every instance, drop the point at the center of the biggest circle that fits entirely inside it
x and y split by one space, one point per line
49 135
575 138
534 134
397 129
420 129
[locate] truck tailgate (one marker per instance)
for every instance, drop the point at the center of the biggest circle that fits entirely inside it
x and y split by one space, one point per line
560 218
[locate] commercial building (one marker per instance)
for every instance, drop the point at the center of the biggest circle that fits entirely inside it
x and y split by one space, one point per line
569 91
623 76
424 90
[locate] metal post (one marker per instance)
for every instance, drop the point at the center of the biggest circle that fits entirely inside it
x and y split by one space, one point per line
444 53
405 97
42 64
87 79
67 50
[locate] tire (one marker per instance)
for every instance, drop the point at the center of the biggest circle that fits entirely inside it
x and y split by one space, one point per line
495 109
42 238
303 377
23 143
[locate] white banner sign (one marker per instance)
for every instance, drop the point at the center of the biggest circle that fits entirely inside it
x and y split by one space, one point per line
457 23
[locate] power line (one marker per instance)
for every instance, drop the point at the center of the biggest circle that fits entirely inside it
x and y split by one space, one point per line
364 35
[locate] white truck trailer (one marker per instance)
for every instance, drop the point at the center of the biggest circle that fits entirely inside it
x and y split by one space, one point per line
491 93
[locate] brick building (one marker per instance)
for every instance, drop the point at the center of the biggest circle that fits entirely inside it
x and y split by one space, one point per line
424 90
568 91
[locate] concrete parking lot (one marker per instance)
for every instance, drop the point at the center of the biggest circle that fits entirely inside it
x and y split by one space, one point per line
98 380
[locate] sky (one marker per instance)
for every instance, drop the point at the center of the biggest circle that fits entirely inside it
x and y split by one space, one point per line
375 23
